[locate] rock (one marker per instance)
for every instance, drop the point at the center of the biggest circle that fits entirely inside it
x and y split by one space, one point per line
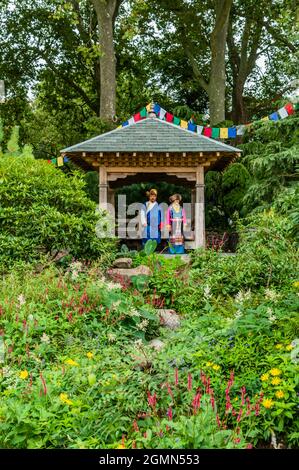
156 344
169 318
127 274
122 263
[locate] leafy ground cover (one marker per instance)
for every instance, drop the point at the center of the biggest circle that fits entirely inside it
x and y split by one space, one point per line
78 371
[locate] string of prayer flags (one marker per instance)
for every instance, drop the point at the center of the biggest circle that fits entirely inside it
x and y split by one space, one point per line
211 132
59 161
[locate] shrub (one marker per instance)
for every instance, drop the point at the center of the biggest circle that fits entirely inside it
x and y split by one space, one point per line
45 211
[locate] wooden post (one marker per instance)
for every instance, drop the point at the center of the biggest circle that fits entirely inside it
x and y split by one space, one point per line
200 208
103 187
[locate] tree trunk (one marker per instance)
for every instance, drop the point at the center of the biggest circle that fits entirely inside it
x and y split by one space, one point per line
105 10
216 87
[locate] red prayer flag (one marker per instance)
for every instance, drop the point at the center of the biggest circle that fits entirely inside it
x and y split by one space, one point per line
289 108
49 161
169 117
137 117
207 131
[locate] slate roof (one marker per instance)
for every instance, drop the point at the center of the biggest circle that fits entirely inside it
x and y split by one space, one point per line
151 135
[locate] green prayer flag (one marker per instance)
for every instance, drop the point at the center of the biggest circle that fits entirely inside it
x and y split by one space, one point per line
54 161
215 132
176 121
143 113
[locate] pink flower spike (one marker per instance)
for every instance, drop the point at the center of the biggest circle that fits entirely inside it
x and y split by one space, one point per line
169 413
176 377
249 446
189 381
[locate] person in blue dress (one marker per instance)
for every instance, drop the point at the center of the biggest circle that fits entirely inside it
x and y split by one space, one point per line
176 222
151 218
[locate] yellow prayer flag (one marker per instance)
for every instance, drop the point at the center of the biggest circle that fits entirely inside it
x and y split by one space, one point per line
59 161
184 124
266 118
119 127
149 106
223 132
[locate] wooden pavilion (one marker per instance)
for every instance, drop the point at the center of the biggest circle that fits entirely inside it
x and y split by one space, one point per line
153 149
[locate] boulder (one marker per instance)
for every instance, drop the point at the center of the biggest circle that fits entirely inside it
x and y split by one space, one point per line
122 263
126 274
156 344
169 318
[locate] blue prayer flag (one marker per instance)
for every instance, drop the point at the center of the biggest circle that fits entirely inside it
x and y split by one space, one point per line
191 127
274 117
232 132
126 123
157 108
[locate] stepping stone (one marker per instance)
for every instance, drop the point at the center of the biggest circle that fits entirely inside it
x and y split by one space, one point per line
156 344
127 274
169 318
122 263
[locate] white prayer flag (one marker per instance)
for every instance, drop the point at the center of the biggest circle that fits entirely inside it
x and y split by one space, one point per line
199 129
162 113
240 130
282 113
131 121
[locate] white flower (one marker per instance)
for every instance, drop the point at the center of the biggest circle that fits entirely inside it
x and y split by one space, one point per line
134 313
242 296
138 343
142 325
207 292
21 300
272 318
45 338
271 294
30 317
111 337
238 314
74 275
115 305
269 311
113 285
76 266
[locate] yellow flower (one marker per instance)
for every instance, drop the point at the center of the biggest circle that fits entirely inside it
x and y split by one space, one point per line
89 355
265 377
216 367
121 446
64 398
236 399
275 371
279 394
278 346
296 284
268 402
209 364
70 362
289 347
23 374
276 381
